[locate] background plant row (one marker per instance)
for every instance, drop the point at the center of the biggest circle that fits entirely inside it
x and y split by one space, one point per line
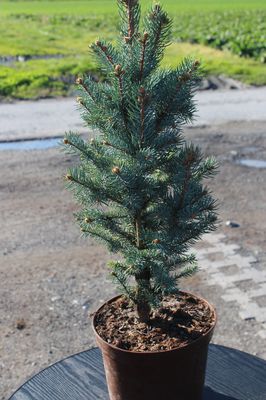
229 42
243 33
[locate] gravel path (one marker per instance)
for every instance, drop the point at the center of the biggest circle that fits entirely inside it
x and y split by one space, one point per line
53 117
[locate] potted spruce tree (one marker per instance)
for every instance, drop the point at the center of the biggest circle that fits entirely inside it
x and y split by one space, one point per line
140 186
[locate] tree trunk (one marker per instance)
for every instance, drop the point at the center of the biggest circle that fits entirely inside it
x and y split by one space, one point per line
143 310
143 285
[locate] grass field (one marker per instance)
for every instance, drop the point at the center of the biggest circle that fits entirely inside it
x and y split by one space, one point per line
206 29
101 7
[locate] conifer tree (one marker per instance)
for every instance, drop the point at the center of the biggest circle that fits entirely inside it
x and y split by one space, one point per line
139 182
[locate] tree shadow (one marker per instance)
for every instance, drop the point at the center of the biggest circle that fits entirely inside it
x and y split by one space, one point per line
210 394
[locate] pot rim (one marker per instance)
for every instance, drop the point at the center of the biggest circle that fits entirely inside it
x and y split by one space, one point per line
157 351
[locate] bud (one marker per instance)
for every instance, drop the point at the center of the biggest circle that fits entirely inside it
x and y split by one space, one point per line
79 81
66 141
106 143
145 36
127 39
118 70
88 220
191 157
156 241
185 77
69 177
80 100
116 170
157 7
98 43
92 141
196 63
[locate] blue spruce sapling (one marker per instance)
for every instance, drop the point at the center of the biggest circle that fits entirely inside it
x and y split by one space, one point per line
139 183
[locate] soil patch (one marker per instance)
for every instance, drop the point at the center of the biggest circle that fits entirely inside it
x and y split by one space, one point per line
180 320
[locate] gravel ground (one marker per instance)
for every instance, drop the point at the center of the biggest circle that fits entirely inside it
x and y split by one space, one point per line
51 279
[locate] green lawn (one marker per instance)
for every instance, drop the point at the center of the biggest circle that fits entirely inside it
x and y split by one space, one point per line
202 28
103 7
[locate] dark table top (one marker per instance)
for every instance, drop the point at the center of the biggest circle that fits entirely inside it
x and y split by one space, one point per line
231 375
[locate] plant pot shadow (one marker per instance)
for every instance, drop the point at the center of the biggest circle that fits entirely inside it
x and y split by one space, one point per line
210 394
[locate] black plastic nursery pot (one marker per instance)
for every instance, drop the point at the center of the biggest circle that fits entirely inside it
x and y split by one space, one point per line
176 374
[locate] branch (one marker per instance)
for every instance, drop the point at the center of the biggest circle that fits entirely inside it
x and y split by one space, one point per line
80 81
189 160
165 111
122 283
182 79
138 228
73 179
144 42
119 72
159 25
120 84
130 4
67 141
118 230
104 142
142 99
81 102
104 50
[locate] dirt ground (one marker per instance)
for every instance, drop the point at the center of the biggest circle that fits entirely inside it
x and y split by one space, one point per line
51 278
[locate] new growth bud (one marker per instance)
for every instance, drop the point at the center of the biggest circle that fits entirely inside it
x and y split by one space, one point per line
185 77
118 70
191 157
116 170
145 36
69 177
80 100
156 241
143 97
104 142
196 63
88 220
79 81
66 141
99 44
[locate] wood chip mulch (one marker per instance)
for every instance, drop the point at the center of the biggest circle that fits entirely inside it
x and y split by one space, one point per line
180 320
